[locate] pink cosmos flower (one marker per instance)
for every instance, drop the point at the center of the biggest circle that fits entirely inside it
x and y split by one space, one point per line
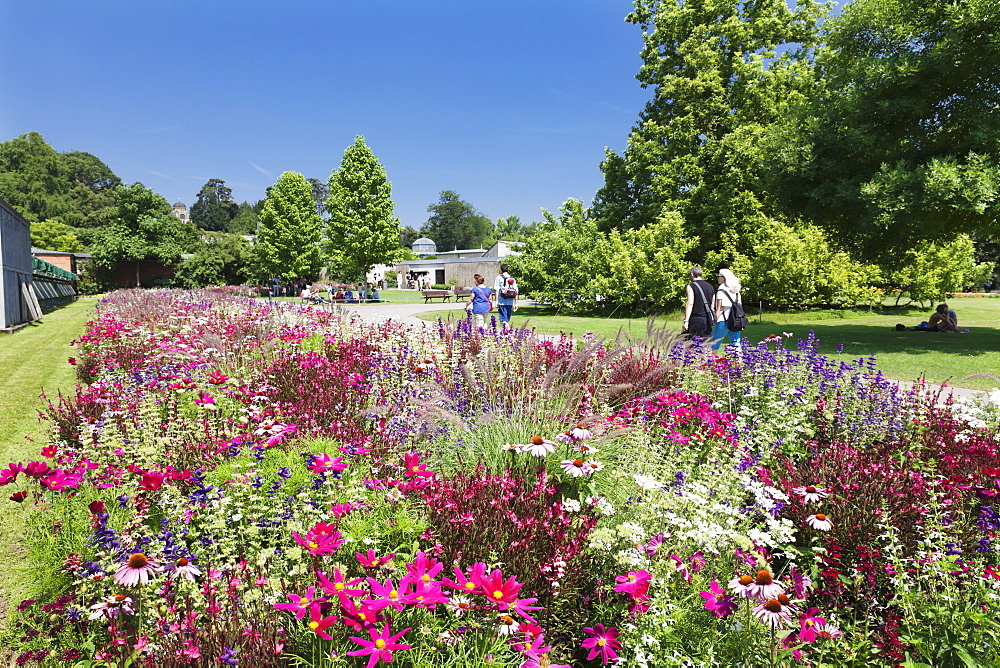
602 642
413 466
466 583
216 377
423 569
496 589
323 462
522 607
681 568
381 646
809 621
35 469
137 570
319 541
318 623
300 605
9 474
358 616
772 612
634 583
820 522
717 601
810 493
338 586
370 560
205 399
151 481
341 509
388 595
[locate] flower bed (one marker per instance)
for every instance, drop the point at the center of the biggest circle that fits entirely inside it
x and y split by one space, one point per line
261 484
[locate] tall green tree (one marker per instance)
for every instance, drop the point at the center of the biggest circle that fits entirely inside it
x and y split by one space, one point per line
288 242
214 207
54 236
456 224
362 229
319 192
221 259
140 227
722 73
901 142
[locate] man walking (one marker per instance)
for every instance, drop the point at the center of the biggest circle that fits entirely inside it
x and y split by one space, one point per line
699 309
505 294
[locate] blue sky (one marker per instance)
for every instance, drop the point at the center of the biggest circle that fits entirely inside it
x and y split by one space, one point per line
508 103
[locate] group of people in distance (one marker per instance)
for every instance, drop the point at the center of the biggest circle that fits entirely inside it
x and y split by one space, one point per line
707 308
502 297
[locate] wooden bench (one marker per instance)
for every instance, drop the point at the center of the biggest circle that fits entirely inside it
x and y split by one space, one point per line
462 293
443 295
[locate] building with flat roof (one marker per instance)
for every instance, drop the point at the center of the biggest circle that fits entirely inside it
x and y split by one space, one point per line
457 265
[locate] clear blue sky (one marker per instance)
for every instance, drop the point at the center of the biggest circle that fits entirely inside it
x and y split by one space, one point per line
508 103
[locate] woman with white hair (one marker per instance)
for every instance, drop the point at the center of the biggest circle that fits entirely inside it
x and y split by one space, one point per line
727 295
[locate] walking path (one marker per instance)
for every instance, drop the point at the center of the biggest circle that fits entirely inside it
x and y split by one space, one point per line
406 313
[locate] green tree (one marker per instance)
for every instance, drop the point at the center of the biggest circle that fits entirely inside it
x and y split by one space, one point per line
214 207
245 220
407 235
319 193
288 241
53 235
719 85
362 230
91 190
455 224
221 259
900 144
140 227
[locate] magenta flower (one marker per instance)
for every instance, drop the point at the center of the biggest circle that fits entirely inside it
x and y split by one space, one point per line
151 481
465 583
381 646
216 377
338 586
204 398
320 540
371 560
800 582
423 569
413 466
319 623
35 469
358 616
300 605
602 642
635 584
809 622
9 474
717 601
323 462
388 595
496 589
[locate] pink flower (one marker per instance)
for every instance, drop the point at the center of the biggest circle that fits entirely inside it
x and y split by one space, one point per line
381 646
318 623
300 605
370 560
319 540
151 481
413 466
323 463
35 469
681 568
820 522
772 612
635 584
358 615
216 377
465 583
338 587
800 582
423 569
764 586
810 494
809 621
539 447
575 467
205 399
497 590
717 601
388 595
521 607
603 643
137 570
9 474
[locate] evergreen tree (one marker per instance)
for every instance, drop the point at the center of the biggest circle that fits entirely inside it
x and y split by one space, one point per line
362 230
214 207
455 224
288 241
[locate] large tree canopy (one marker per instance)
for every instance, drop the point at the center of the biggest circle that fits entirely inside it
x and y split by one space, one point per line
288 240
902 142
214 207
455 224
361 230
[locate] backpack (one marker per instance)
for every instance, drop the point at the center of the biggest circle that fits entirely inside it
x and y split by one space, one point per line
737 320
508 287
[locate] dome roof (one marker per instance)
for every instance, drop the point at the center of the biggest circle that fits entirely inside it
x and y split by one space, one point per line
424 240
176 204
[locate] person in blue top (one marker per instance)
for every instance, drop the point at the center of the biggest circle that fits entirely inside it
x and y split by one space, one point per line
479 301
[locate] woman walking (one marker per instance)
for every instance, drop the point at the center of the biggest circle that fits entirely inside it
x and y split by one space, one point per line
479 301
727 295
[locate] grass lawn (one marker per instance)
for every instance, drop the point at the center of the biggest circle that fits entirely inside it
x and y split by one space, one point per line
31 360
904 355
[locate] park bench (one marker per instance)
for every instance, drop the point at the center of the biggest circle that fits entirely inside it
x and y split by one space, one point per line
462 293
443 295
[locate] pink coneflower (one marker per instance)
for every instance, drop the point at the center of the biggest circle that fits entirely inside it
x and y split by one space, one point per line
381 646
765 587
603 643
771 612
742 586
810 494
137 570
539 447
820 522
184 567
826 631
586 449
575 467
580 433
717 601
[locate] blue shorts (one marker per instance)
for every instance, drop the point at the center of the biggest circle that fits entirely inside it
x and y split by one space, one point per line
505 311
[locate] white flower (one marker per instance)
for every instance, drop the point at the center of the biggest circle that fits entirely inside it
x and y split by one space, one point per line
647 482
571 505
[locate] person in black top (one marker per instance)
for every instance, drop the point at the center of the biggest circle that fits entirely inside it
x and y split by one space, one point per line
699 310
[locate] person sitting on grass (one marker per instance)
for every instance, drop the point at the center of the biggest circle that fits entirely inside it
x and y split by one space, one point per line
943 320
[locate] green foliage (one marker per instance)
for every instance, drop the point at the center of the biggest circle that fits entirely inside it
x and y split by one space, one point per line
288 241
798 266
931 269
245 220
362 230
214 207
140 227
42 184
223 259
570 262
53 235
455 224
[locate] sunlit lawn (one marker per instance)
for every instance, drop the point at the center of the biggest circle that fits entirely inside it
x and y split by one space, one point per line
31 360
904 355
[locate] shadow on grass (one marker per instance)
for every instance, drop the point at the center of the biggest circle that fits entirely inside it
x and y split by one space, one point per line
881 339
